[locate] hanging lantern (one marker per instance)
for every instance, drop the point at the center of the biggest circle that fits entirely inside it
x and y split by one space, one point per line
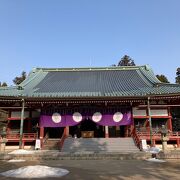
97 117
56 118
117 117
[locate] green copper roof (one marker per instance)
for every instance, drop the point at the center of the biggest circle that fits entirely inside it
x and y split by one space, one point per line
91 82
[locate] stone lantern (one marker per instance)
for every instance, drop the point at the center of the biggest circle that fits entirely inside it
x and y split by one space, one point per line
164 137
3 139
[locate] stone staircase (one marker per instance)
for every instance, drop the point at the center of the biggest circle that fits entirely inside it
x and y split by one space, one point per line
99 145
51 144
84 149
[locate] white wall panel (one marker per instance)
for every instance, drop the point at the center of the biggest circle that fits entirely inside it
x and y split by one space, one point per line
17 114
139 112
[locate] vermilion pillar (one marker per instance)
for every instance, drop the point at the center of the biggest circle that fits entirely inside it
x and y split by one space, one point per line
178 143
41 135
67 131
169 119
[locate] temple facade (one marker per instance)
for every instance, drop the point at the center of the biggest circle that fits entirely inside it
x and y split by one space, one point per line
56 103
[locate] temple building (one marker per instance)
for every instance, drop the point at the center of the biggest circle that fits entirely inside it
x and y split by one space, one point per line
107 102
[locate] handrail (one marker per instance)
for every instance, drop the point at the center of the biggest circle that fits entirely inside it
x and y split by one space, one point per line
25 136
175 133
157 133
64 136
157 136
136 138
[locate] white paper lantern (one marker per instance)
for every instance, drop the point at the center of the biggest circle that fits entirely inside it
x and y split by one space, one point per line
77 117
97 116
56 118
117 117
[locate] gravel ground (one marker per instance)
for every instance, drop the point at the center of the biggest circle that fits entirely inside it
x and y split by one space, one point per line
105 169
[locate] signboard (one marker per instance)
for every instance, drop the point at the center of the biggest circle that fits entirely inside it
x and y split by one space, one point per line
38 144
144 144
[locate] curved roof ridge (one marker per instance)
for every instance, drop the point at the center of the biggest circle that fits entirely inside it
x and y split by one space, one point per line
91 68
167 84
149 75
32 75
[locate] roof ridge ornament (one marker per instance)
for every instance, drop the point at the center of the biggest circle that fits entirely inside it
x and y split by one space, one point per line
20 87
147 67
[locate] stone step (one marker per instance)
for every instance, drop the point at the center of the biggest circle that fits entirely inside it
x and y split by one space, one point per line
56 155
96 142
51 144
106 147
99 145
102 151
99 150
100 141
91 144
103 139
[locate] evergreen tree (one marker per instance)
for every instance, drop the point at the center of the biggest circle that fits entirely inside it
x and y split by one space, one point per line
126 61
20 79
162 78
178 76
4 84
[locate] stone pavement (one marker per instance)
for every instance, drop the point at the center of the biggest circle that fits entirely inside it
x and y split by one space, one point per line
105 169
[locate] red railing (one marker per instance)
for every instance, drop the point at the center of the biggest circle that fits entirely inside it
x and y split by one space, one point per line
64 136
175 134
26 137
156 136
136 138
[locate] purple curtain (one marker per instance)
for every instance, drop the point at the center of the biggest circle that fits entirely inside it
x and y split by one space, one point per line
115 118
107 120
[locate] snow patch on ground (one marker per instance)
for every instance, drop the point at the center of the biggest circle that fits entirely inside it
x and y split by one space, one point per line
21 151
37 171
155 160
16 160
154 150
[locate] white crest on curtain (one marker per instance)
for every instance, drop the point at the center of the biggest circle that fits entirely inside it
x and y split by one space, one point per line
117 117
56 118
97 116
77 117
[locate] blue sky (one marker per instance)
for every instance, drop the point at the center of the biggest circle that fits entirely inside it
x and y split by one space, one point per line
82 33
